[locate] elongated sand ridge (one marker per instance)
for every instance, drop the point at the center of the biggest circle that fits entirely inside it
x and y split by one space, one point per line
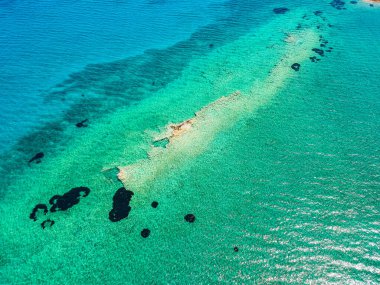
192 136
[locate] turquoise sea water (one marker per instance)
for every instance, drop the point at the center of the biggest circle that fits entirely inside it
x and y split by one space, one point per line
279 163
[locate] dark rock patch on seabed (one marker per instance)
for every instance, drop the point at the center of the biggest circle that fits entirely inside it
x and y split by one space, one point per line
318 51
33 215
69 199
46 223
296 66
314 59
145 233
59 203
281 10
120 206
36 158
338 4
154 204
82 124
190 218
236 249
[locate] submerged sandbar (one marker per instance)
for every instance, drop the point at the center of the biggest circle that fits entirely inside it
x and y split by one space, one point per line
377 2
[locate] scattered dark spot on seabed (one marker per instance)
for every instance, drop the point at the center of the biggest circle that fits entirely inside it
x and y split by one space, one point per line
48 221
296 66
154 204
120 206
37 158
318 51
281 10
338 4
33 215
236 249
82 124
145 233
314 59
69 199
61 203
190 218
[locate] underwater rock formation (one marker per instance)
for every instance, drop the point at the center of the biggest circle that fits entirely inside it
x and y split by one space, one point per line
120 206
318 51
33 215
338 4
82 124
145 233
314 59
69 199
37 158
281 10
296 66
49 222
190 218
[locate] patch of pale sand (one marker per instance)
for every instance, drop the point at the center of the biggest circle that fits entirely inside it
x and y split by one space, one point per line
372 1
192 137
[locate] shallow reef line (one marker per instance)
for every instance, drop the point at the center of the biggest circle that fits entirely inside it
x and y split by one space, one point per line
192 136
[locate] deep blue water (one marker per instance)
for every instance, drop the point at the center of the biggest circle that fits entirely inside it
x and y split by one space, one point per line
41 42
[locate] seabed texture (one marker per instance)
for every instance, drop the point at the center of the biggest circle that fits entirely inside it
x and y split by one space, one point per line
242 150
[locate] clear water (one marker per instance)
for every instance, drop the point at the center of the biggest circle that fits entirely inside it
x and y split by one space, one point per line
282 164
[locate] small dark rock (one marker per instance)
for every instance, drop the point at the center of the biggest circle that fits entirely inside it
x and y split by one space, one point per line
82 124
33 215
37 157
190 218
49 222
211 45
120 206
281 10
314 59
318 51
145 233
317 13
296 66
338 4
154 204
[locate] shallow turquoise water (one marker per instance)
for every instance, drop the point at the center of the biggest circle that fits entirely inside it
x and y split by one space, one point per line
287 170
